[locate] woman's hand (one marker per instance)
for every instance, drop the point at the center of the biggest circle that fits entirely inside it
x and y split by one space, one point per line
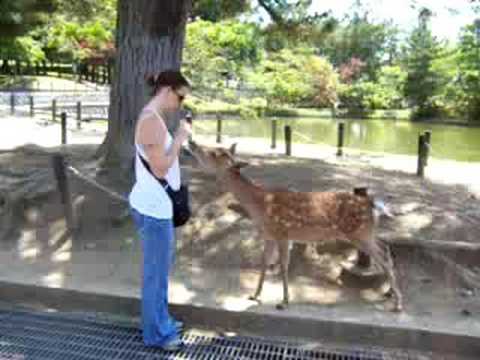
184 131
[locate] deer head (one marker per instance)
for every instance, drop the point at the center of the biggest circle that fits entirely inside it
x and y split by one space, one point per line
215 159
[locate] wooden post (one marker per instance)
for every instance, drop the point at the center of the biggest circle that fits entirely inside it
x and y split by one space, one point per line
341 135
12 103
32 107
104 74
288 140
109 73
421 156
58 163
64 128
219 128
79 115
54 110
427 136
274 133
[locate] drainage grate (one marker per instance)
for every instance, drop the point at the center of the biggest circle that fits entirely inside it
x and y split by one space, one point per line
50 336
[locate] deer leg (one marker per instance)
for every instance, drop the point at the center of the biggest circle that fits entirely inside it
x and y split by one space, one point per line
395 287
284 252
267 253
382 256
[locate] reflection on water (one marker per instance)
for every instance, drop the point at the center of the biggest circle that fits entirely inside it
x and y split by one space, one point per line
391 136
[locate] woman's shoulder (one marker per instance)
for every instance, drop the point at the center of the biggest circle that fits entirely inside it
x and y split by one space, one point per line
151 116
148 125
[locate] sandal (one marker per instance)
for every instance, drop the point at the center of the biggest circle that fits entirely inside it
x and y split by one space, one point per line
179 325
173 345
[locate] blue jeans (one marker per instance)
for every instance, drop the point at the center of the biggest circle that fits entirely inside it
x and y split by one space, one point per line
158 245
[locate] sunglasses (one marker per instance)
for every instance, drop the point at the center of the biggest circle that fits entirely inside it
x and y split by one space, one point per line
180 96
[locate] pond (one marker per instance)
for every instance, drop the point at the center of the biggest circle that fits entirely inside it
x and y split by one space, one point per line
390 136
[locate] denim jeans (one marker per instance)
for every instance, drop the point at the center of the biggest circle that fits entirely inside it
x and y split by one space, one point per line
158 246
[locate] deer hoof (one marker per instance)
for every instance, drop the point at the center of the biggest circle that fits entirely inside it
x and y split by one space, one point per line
254 298
398 308
281 306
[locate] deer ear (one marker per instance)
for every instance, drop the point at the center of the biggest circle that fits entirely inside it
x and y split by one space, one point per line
233 148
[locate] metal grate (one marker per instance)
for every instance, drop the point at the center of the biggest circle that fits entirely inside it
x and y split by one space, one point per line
49 336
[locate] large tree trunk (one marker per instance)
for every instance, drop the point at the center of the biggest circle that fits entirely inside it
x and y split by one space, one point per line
141 49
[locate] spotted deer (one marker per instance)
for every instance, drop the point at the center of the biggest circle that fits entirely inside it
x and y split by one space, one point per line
281 216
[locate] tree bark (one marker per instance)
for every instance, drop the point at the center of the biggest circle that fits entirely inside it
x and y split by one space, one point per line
140 51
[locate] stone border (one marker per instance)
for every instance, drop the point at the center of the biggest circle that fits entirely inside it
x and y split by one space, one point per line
324 331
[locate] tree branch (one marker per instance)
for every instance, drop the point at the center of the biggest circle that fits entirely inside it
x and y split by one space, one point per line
269 8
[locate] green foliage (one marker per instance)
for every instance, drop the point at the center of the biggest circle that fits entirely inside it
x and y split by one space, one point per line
17 17
423 82
69 40
391 81
467 86
291 13
372 43
22 48
294 76
217 10
89 10
363 96
215 51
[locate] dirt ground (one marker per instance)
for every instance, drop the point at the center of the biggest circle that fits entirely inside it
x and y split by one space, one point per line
435 283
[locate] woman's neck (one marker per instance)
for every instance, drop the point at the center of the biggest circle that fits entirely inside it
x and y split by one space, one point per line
157 104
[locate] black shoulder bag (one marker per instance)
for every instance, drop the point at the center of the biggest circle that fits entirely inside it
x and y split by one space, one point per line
180 198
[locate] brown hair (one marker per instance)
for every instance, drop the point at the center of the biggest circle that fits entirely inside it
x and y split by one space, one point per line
172 78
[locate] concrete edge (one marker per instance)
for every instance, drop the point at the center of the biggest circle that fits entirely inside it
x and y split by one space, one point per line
324 331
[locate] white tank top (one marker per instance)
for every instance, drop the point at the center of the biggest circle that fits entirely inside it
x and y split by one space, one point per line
148 196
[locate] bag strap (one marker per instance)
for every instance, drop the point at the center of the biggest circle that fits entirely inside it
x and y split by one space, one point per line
145 163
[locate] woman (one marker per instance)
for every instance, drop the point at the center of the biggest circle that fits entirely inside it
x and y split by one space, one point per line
157 157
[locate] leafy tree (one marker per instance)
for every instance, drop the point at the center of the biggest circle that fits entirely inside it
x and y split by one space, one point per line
19 16
21 48
371 43
216 51
362 96
217 10
468 82
293 76
352 70
70 40
79 29
88 10
422 84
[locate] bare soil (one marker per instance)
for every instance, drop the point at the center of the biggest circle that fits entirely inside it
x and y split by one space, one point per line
435 283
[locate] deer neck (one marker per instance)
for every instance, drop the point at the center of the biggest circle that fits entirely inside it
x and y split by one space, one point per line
248 194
